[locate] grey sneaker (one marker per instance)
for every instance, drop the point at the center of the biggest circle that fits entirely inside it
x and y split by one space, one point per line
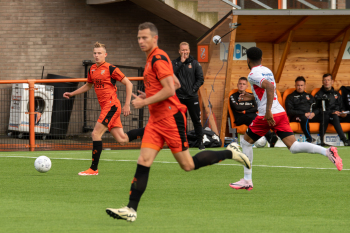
125 213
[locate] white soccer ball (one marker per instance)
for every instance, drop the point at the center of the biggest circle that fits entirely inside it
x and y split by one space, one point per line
217 39
42 164
261 142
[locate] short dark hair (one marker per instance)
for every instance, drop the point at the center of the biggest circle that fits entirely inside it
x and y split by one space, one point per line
150 26
326 75
300 78
243 78
254 54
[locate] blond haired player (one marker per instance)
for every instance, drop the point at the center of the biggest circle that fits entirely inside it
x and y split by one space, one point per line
103 77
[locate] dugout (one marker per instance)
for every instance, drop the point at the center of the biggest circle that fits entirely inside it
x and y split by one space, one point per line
294 42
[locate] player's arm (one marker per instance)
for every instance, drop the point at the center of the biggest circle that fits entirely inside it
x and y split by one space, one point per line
128 86
176 82
245 97
167 91
82 89
270 92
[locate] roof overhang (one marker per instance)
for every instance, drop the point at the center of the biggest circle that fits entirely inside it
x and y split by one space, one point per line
273 26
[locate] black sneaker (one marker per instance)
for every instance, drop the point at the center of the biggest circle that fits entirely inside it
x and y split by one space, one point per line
201 146
347 143
273 140
324 144
311 140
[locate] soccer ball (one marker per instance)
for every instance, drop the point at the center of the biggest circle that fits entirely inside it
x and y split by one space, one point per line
234 146
261 142
42 164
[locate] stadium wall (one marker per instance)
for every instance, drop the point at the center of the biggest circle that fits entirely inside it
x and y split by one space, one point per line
60 34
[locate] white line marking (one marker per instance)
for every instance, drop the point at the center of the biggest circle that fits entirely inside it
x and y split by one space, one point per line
219 164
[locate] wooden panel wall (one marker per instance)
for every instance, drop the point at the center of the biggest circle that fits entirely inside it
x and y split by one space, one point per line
308 59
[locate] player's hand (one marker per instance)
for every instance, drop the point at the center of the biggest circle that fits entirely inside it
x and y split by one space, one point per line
142 94
245 97
312 115
184 56
342 114
137 102
269 118
67 95
126 110
337 113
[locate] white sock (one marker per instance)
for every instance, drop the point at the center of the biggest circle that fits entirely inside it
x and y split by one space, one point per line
247 149
305 147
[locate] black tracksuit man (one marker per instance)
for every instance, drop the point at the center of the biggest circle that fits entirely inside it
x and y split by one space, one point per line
190 75
335 104
297 104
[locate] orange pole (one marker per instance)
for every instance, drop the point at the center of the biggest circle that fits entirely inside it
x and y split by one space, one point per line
57 80
31 115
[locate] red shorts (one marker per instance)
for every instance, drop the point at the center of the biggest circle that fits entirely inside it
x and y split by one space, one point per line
171 130
110 115
260 126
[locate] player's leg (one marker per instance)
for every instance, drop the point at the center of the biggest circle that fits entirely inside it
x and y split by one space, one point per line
96 135
123 138
152 142
256 130
287 136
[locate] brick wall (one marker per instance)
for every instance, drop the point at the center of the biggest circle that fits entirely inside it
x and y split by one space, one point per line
341 4
214 6
60 34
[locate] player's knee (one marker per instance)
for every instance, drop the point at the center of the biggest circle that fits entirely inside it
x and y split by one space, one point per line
187 167
95 136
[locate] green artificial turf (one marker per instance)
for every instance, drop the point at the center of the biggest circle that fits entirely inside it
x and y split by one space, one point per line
290 194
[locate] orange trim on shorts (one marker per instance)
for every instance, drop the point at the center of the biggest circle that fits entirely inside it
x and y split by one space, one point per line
150 145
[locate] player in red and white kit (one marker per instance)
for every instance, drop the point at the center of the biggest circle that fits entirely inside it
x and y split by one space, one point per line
103 77
271 116
167 123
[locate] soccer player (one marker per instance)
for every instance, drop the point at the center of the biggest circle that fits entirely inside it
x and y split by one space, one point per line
271 116
167 123
103 76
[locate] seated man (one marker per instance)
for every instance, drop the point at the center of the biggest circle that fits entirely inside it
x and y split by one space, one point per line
245 111
300 107
334 109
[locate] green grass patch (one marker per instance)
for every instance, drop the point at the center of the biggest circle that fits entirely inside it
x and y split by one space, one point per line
291 194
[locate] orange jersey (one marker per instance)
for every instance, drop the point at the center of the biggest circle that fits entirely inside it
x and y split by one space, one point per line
159 66
104 78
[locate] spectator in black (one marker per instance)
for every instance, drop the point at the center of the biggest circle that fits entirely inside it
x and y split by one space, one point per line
334 110
245 111
190 74
301 107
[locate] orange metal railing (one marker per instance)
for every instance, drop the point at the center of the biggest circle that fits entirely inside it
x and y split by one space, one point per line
31 89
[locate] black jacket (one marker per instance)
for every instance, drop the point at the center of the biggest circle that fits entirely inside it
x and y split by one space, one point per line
335 100
190 75
299 104
250 107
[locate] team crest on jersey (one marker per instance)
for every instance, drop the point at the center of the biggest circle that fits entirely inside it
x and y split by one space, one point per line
335 96
102 72
190 66
158 57
251 74
307 97
93 70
